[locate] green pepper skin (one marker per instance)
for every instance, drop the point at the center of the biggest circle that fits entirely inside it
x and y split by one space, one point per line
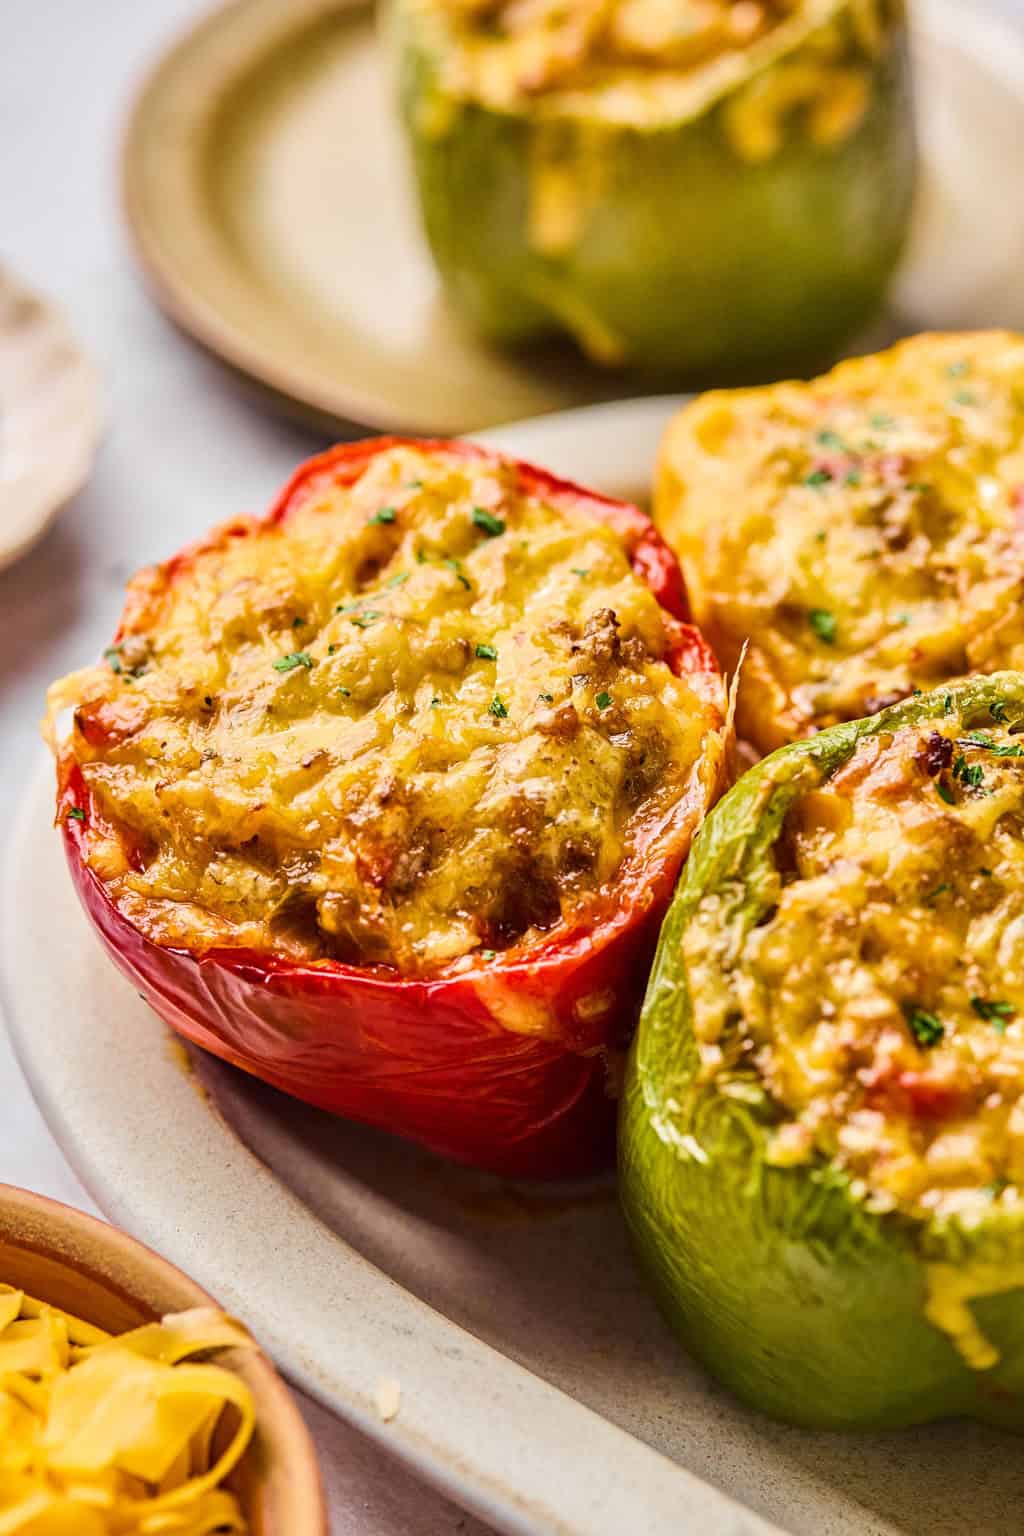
806 1304
691 263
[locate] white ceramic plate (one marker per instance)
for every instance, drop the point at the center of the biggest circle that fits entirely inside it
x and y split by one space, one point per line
289 244
538 1385
49 416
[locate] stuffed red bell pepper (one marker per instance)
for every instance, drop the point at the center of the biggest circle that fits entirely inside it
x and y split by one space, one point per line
382 797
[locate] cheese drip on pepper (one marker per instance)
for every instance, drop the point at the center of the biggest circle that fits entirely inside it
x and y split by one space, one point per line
106 1435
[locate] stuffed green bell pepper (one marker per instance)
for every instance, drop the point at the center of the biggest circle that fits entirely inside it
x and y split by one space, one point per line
822 1138
692 188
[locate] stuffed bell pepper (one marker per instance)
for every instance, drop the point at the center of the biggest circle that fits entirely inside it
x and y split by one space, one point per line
383 797
822 1140
692 188
861 534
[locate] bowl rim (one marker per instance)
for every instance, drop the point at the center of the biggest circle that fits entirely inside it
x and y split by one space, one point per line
25 1215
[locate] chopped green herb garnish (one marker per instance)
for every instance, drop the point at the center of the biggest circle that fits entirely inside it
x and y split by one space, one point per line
292 660
421 558
346 693
983 871
435 701
947 704
823 623
994 1013
968 773
940 890
490 524
399 580
364 620
415 485
383 515
486 653
925 1027
944 792
548 698
298 623
830 439
488 954
998 749
921 487
577 572
112 656
998 712
904 619
965 397
76 813
453 565
958 369
853 477
348 607
603 700
497 708
208 700
880 422
331 648
818 477
820 536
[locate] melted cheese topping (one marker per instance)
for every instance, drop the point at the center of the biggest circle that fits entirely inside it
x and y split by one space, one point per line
863 532
877 991
640 61
426 715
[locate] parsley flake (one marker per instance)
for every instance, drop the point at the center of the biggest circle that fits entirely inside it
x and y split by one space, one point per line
548 698
944 792
603 700
818 478
486 653
994 1013
364 620
926 1029
580 573
823 623
958 369
488 954
399 580
112 656
830 439
965 397
497 708
940 890
76 813
947 704
292 660
346 693
997 749
880 422
998 711
853 477
383 515
453 565
487 521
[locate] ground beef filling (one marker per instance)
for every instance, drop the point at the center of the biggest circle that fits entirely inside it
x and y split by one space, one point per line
879 995
426 717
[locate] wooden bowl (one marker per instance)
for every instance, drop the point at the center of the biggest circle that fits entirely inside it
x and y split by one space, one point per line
82 1265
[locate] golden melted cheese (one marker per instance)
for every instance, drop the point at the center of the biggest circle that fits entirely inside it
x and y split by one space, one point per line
642 61
880 996
427 715
864 532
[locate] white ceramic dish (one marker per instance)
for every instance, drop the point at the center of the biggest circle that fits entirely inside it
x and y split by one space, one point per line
49 416
256 212
538 1385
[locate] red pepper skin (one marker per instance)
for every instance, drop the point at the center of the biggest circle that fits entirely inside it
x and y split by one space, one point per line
503 1065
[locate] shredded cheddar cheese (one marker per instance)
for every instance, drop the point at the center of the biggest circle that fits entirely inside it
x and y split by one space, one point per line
105 1435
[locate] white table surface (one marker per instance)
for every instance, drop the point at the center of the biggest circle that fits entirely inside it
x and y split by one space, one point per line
184 447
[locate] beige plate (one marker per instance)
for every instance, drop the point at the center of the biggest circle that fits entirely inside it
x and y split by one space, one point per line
538 1385
266 191
84 1267
49 416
